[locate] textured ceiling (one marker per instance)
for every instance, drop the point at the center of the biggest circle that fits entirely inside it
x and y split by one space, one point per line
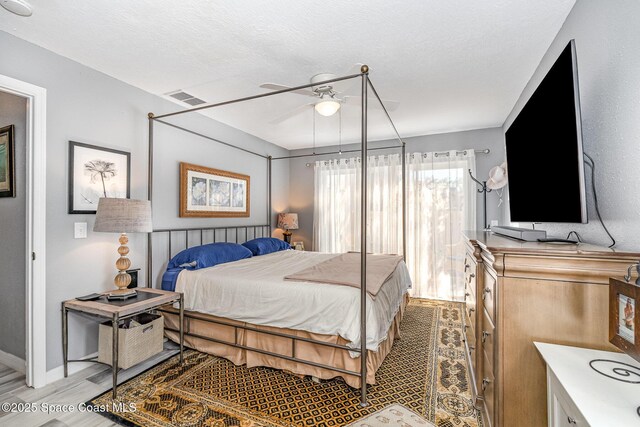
452 65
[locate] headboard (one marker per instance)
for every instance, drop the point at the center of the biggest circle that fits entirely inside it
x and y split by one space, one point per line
165 243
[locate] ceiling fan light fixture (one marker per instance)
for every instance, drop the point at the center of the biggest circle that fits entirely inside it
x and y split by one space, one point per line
19 7
327 107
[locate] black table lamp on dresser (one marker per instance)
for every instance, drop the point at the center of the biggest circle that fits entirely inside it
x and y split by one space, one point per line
287 221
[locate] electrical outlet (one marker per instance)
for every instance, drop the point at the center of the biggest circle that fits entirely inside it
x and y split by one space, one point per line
79 230
494 222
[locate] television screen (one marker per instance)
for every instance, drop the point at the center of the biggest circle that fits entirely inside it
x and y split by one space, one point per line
544 150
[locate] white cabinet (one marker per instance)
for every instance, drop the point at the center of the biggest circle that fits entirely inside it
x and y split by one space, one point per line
578 396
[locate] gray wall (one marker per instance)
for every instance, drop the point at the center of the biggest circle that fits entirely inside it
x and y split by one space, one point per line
606 35
88 106
13 111
301 189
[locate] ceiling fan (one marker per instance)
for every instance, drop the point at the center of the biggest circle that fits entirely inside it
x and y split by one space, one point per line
329 97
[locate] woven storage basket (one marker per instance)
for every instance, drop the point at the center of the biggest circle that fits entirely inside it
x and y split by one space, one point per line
134 344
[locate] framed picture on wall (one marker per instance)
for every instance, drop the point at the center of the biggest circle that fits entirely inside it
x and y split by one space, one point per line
7 162
624 321
207 192
96 172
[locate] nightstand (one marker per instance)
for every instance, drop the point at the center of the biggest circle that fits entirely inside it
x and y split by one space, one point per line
147 300
588 387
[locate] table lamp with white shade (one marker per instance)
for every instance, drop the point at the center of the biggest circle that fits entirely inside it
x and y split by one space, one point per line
123 216
287 221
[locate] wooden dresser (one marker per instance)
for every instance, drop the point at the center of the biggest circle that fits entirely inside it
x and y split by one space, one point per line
521 292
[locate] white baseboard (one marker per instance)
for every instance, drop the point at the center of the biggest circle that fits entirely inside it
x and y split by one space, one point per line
56 374
13 362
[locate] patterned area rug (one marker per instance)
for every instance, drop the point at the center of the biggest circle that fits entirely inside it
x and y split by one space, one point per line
425 371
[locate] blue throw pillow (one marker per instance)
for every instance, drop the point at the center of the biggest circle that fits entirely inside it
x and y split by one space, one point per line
209 255
266 245
202 257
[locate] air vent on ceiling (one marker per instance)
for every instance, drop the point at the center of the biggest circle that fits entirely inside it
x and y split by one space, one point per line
186 98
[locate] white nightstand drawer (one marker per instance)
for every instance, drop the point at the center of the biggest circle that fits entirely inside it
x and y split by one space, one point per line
561 411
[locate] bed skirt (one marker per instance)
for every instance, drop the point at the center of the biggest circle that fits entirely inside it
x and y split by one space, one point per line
306 351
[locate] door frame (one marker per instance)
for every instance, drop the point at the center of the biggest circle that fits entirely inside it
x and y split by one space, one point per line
35 256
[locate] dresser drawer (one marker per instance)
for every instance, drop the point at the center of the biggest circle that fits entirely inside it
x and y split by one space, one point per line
489 294
471 308
487 336
470 271
470 330
487 390
472 358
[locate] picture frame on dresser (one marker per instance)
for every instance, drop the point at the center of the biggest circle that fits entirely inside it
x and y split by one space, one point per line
624 321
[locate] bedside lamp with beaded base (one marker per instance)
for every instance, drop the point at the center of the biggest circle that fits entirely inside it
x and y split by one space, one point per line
123 216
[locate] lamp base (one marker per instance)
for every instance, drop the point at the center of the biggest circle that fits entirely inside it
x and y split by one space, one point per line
286 236
123 263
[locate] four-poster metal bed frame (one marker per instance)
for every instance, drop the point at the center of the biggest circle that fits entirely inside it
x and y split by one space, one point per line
366 84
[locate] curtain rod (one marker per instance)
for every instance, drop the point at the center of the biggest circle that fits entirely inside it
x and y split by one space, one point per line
297 156
441 153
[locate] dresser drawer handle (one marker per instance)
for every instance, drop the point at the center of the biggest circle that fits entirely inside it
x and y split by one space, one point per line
466 267
471 310
485 292
472 275
485 334
571 420
485 383
466 294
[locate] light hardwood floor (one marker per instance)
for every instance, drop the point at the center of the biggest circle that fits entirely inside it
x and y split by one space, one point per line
75 389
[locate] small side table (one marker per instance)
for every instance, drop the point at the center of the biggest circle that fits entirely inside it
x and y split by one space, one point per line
588 387
147 300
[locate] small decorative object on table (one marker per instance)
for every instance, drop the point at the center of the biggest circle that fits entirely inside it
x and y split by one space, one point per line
287 221
624 322
298 246
624 326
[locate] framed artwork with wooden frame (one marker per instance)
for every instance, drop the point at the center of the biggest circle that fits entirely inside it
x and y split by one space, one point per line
7 162
213 193
96 172
624 321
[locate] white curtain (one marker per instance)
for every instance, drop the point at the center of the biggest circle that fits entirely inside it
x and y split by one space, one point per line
440 204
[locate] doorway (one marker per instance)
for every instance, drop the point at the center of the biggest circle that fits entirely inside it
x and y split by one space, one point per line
24 107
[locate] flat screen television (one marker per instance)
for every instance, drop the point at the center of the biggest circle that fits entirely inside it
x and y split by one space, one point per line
544 150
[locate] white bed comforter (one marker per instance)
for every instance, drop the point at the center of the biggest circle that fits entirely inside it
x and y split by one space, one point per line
253 290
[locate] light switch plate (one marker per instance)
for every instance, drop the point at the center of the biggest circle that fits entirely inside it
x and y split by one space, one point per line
494 222
79 230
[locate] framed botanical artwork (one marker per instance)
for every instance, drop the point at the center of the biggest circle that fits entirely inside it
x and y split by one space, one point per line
7 162
207 192
624 321
96 172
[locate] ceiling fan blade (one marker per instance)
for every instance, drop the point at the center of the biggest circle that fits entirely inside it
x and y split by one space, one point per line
275 86
388 104
291 113
344 85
